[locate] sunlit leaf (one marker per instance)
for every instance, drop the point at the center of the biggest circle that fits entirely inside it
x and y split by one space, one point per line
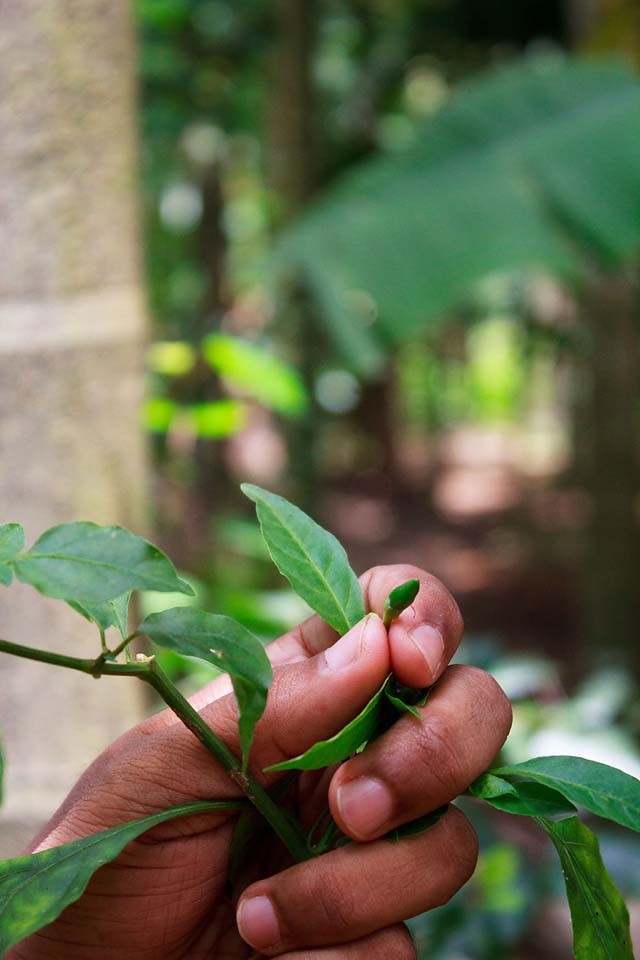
257 373
216 420
157 414
87 563
172 358
597 787
599 916
311 558
35 889
226 644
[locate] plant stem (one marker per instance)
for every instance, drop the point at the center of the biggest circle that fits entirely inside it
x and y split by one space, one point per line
286 827
95 668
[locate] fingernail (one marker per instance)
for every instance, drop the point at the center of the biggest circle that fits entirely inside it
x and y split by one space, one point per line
348 648
257 922
365 805
429 642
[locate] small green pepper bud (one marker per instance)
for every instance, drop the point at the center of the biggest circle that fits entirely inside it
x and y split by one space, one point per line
399 599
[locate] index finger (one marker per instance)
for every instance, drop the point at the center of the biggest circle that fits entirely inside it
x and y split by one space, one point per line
423 638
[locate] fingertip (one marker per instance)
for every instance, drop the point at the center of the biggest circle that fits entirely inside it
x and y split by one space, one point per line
417 652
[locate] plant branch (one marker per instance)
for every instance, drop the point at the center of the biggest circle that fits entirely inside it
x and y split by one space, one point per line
89 666
286 827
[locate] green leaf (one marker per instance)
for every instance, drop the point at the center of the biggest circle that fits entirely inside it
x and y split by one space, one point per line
87 563
157 414
598 913
247 832
11 540
312 560
399 599
11 543
35 889
405 699
531 799
507 176
217 419
343 744
257 373
111 613
597 787
226 644
488 786
415 827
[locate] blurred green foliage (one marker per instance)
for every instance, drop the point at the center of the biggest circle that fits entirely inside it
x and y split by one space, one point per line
438 195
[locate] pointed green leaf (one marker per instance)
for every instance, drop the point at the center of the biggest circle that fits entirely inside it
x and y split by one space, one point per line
110 613
35 889
399 599
6 574
415 827
11 540
337 748
312 560
531 799
488 786
597 787
87 563
598 913
226 644
405 699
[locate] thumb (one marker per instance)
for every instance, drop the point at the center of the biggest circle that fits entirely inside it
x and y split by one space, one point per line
312 699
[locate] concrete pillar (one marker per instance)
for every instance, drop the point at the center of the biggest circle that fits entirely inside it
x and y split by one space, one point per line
71 340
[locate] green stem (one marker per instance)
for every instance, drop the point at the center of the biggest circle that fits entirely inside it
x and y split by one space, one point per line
93 667
115 653
288 829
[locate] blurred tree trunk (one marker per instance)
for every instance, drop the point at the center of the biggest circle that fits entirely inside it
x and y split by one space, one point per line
608 447
291 173
607 423
71 343
211 485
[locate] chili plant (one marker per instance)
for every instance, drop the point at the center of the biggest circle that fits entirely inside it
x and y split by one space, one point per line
96 568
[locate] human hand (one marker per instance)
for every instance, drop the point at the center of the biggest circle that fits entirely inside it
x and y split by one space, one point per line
166 896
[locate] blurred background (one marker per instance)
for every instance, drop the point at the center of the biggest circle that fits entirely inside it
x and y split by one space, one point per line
382 257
